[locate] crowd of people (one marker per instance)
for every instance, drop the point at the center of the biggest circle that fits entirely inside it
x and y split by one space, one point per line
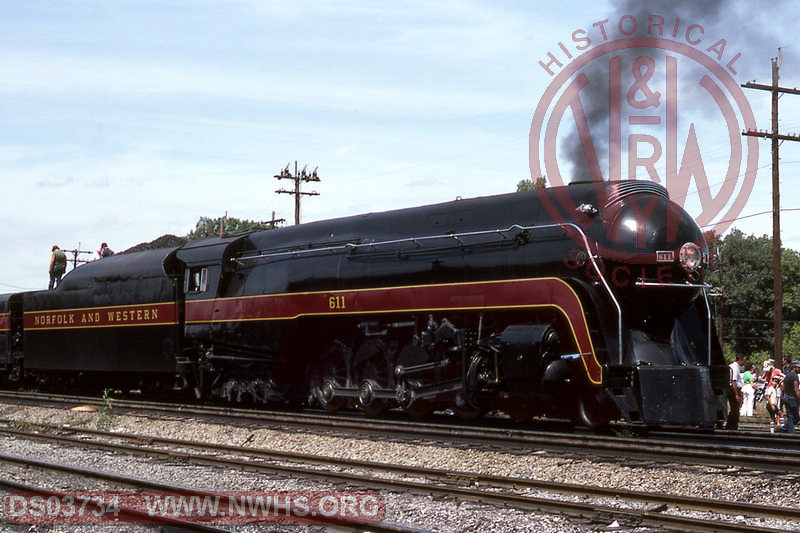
778 388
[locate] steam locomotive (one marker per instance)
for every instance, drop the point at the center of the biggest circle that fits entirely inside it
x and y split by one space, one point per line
584 302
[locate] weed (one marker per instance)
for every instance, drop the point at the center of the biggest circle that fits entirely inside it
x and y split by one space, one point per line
625 433
106 417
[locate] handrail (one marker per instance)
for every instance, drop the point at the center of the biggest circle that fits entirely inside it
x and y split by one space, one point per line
708 313
457 237
415 240
605 284
673 285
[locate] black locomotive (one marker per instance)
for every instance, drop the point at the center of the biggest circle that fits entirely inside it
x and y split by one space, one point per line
585 301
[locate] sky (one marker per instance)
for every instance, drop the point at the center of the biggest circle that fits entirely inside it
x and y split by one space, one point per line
121 121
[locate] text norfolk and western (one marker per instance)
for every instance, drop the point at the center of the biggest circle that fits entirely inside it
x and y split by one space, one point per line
135 315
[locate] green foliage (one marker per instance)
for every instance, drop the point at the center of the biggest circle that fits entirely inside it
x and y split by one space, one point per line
28 427
791 343
532 185
728 352
209 227
106 417
758 358
624 433
744 275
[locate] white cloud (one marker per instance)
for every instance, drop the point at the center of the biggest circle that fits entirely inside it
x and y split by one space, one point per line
120 122
66 77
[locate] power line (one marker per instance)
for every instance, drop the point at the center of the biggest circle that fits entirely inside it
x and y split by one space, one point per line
785 209
18 287
739 319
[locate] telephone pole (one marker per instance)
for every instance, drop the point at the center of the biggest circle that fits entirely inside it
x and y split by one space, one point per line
776 199
298 178
75 253
274 222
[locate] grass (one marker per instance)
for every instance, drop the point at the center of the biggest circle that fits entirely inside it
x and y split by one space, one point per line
106 417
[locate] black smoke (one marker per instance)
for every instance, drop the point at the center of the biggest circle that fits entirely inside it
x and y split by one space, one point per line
747 27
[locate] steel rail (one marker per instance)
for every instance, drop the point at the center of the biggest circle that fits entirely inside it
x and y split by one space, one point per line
439 475
133 481
452 483
744 451
128 513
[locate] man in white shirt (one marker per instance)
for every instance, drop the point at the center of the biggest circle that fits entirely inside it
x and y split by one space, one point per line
735 392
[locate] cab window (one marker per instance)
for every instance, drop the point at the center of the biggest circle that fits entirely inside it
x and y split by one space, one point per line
196 279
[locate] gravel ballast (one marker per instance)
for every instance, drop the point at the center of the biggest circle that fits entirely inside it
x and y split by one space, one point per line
420 511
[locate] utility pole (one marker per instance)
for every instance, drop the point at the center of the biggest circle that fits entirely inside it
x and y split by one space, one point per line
298 178
274 222
75 253
776 199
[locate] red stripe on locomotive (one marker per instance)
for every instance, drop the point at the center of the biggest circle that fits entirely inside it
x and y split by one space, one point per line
532 293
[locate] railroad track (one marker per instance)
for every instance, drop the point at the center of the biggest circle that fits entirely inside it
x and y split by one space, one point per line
117 513
719 449
525 494
106 510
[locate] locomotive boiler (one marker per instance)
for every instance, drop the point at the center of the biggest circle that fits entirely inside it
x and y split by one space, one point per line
584 302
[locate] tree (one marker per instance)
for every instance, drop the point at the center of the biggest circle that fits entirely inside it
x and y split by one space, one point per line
791 343
207 227
532 185
743 276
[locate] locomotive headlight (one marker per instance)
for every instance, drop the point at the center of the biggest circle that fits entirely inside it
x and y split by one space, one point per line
691 256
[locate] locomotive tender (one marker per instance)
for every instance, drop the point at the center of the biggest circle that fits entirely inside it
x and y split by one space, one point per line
584 301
